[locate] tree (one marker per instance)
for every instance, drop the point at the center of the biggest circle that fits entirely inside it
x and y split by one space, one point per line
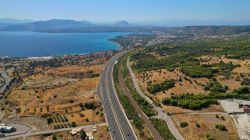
221 127
83 135
183 124
54 137
73 124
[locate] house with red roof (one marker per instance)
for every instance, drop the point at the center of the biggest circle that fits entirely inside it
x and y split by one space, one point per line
246 109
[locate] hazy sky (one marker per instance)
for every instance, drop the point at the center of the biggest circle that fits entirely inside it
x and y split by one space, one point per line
131 10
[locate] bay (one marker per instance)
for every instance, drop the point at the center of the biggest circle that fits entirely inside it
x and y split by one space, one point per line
28 44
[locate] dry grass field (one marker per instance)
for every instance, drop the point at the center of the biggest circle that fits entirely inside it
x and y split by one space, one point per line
52 92
185 84
232 82
202 126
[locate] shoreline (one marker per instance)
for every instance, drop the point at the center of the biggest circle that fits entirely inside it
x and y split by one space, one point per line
47 57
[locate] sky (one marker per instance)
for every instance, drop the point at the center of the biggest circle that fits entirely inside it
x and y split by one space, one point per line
137 11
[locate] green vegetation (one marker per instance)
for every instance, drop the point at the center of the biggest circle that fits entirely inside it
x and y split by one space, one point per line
162 86
245 82
168 62
189 101
197 125
83 135
162 128
146 107
54 137
215 87
209 137
129 109
184 54
199 101
89 106
225 69
73 124
183 124
197 71
221 127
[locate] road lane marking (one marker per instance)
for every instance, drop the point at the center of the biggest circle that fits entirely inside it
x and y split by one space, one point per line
111 104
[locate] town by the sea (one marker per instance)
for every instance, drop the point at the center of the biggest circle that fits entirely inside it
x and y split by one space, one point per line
35 44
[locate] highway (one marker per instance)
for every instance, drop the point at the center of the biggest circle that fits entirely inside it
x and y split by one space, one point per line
119 124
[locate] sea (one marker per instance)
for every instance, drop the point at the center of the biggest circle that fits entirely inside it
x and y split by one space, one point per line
36 44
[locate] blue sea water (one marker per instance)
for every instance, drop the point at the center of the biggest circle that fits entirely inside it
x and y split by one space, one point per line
25 44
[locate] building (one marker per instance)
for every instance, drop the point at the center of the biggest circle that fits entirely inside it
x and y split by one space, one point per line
246 109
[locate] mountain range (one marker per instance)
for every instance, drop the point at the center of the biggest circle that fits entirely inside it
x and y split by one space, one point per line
65 25
54 25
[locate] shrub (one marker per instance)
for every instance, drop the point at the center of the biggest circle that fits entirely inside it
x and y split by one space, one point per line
245 82
183 124
221 127
54 137
138 122
162 128
73 124
49 120
197 71
215 87
242 90
190 101
198 125
89 106
162 86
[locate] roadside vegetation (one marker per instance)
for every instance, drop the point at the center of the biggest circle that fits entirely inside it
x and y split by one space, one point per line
129 109
199 101
147 108
162 128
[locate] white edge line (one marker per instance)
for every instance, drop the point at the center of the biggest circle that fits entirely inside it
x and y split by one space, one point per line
120 103
100 93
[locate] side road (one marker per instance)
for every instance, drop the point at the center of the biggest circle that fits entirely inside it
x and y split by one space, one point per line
161 114
127 92
50 131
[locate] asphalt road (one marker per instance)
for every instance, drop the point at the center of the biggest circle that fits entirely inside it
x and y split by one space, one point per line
119 124
48 132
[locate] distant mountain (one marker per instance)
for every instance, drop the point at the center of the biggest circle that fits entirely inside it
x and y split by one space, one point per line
54 24
122 23
3 25
211 30
14 21
183 22
63 25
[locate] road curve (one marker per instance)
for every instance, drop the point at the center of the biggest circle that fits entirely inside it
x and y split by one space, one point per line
119 125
